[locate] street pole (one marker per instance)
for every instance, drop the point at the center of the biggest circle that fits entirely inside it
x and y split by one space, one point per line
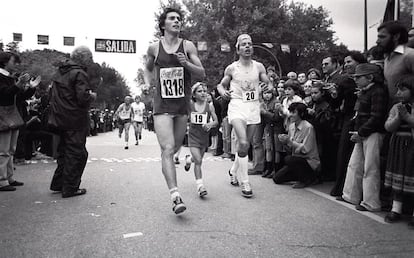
365 27
397 10
412 16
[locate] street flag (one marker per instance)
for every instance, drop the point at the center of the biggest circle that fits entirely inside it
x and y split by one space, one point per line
42 39
17 37
285 48
68 41
202 46
392 10
225 47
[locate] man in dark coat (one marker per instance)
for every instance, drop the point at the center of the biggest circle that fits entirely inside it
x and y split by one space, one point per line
342 100
71 97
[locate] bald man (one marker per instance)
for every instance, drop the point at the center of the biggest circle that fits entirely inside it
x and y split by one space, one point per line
71 96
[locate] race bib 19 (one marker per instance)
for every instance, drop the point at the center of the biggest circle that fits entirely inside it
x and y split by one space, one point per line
250 95
172 82
198 119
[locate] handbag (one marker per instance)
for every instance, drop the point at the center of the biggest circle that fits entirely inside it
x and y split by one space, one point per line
10 118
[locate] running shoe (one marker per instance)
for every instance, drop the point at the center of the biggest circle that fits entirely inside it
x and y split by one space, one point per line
233 179
187 162
136 143
126 147
202 191
178 205
246 190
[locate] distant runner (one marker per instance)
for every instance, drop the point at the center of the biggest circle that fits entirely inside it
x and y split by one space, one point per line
125 114
139 108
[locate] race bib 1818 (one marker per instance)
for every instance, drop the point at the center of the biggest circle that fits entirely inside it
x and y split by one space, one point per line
198 118
172 82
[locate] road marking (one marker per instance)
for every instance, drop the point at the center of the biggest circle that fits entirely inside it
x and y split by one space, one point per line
135 234
127 160
368 214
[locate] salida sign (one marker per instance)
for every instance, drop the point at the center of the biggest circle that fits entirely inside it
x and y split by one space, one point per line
115 46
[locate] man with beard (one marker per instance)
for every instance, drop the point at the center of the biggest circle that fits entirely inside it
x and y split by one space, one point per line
399 58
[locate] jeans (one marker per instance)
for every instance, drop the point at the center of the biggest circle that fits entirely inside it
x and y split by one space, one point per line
8 142
363 180
258 148
226 127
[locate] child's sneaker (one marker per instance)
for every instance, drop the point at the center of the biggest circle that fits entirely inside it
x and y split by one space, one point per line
233 179
187 163
202 191
246 190
178 205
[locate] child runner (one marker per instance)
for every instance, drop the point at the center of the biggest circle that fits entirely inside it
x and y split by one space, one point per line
201 113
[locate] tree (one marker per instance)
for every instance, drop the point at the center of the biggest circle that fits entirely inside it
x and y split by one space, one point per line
113 88
406 10
304 28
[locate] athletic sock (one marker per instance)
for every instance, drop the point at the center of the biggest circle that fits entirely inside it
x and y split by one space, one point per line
243 167
235 166
174 193
397 207
199 183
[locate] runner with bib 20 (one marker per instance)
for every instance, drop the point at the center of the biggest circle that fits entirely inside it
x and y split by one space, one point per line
172 61
242 83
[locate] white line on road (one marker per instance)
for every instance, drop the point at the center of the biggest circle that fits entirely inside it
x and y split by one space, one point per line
135 234
368 214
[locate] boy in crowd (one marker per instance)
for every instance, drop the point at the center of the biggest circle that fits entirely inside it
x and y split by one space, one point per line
362 183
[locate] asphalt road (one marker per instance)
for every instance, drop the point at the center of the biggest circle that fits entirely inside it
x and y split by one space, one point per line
127 213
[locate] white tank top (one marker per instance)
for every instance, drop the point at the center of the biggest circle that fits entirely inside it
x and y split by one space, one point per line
245 82
138 111
125 113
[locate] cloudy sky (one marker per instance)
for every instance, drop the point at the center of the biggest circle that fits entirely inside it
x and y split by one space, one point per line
131 19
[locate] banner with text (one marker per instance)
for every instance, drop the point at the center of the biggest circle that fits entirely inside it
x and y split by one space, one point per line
115 46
